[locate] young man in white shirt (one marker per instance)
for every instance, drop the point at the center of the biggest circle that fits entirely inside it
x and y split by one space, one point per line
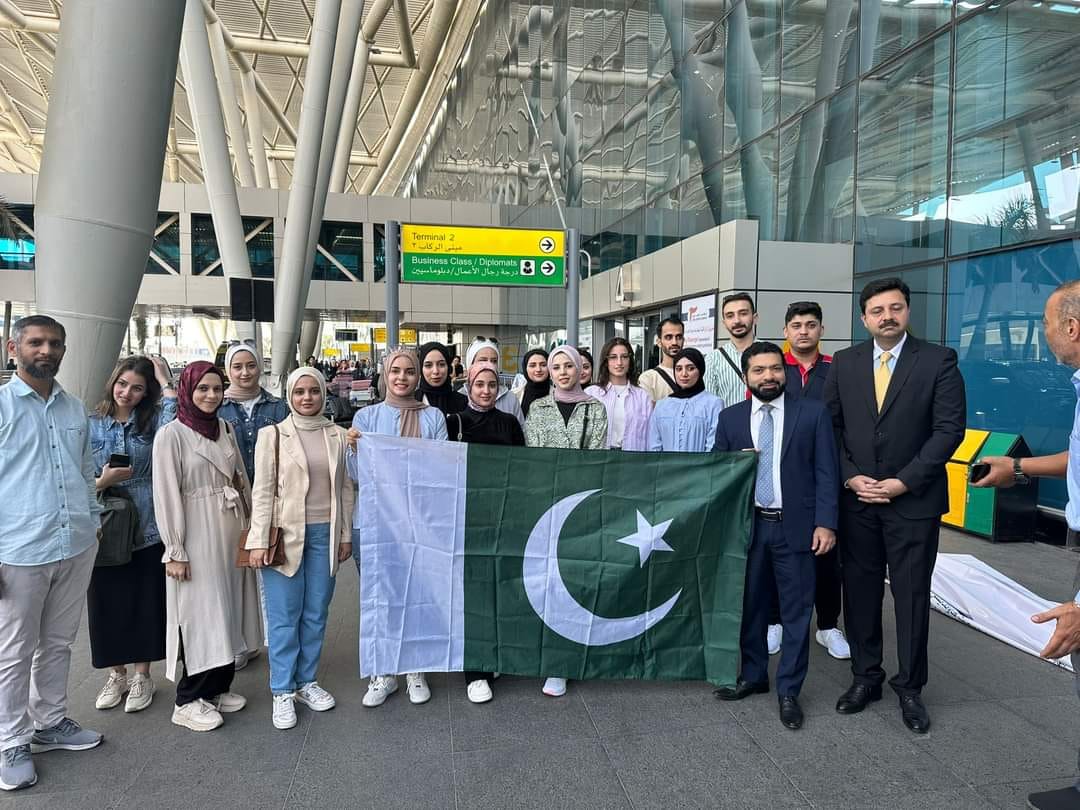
659 382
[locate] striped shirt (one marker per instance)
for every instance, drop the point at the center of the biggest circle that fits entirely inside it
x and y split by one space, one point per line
721 379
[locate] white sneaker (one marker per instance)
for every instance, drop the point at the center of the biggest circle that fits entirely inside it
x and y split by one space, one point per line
284 712
197 716
140 693
315 697
833 640
775 636
229 702
113 691
479 691
416 686
379 689
555 687
245 658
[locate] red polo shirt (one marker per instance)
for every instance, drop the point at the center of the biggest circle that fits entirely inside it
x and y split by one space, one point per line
804 371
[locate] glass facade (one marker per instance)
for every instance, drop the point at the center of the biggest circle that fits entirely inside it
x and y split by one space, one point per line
258 233
164 257
341 253
17 243
939 138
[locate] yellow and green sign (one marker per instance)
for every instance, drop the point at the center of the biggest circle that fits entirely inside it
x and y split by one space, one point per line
440 254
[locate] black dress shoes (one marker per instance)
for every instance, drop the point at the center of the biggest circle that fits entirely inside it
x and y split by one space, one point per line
914 713
740 690
1061 799
791 712
857 698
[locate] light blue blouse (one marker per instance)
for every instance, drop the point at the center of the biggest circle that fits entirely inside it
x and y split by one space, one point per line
385 420
685 425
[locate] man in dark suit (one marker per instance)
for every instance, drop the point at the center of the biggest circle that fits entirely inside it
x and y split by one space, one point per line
807 369
899 409
795 517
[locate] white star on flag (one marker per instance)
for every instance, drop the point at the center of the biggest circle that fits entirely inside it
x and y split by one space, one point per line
647 538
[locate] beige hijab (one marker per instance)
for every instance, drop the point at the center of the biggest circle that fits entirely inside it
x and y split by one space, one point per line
408 406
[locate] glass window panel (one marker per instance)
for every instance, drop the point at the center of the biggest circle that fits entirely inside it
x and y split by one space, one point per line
819 47
816 172
165 252
927 301
1015 176
260 246
887 27
752 65
18 246
903 136
994 321
749 183
345 242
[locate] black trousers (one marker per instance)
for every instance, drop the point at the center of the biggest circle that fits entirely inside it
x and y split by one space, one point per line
827 599
207 684
876 540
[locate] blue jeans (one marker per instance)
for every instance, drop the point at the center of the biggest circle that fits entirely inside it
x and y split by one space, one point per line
296 611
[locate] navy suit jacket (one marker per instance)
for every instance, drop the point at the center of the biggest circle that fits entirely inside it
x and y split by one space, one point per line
809 464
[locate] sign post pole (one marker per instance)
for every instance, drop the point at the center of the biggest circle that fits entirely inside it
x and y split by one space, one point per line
393 276
573 284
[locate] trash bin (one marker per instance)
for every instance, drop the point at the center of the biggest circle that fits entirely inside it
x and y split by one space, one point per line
999 515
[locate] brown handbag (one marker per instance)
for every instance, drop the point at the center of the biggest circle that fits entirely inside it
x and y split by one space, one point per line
276 547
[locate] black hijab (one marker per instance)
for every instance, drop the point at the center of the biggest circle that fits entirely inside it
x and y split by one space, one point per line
443 397
695 357
533 390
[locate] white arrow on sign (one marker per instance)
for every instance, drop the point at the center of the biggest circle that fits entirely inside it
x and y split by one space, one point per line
547 268
547 244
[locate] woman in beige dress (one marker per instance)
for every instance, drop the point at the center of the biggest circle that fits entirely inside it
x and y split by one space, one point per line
200 492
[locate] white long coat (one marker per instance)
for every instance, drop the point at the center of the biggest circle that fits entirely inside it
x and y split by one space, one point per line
200 517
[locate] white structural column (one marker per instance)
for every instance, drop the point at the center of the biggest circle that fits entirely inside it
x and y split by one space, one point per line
310 333
227 91
255 129
290 291
352 12
202 93
100 180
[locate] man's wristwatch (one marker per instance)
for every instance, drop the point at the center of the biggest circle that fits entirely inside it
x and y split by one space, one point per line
1018 473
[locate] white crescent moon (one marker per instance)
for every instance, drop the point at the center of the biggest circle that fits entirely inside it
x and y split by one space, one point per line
555 605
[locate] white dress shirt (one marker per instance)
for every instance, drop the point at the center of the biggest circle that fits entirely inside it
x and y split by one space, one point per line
894 353
618 415
756 416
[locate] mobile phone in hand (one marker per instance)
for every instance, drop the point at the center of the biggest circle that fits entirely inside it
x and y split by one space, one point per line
978 472
118 460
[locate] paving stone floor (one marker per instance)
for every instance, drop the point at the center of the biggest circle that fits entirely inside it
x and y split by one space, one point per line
1004 724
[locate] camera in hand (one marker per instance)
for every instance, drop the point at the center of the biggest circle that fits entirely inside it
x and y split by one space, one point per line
118 460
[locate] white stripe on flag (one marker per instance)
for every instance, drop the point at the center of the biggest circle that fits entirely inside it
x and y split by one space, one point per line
411 508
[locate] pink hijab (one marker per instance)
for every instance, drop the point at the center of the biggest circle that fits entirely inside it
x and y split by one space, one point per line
475 370
575 394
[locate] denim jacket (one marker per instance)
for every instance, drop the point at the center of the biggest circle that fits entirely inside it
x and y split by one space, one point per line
107 436
269 410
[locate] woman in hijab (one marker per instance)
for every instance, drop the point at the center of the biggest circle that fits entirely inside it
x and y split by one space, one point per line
248 407
483 423
537 380
628 405
686 420
200 497
435 388
568 417
487 350
313 510
399 414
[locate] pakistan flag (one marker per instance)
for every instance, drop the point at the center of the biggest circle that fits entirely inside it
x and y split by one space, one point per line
528 561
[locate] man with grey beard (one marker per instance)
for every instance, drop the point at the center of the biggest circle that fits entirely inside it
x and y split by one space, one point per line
48 542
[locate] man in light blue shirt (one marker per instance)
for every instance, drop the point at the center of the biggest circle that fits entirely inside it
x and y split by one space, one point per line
48 542
1061 325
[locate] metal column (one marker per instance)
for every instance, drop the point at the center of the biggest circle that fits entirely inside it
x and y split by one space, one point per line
100 180
290 287
393 278
573 284
202 92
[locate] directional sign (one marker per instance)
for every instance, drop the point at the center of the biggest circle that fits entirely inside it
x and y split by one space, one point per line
406 337
437 254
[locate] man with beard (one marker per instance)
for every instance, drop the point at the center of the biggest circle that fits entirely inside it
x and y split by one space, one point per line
899 409
1061 325
48 542
795 518
659 382
723 375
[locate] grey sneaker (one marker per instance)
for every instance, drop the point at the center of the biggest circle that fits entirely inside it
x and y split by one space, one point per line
67 735
17 768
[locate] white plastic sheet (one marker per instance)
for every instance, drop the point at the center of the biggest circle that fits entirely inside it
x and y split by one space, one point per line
970 591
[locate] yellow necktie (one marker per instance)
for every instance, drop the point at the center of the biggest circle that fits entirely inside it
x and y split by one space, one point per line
882 375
